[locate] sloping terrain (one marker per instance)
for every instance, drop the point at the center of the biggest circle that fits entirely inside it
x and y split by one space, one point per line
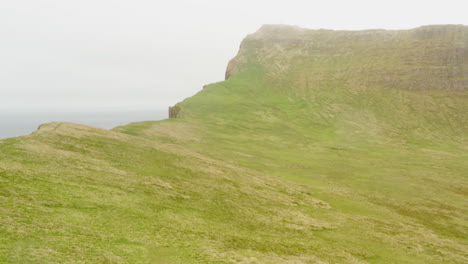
320 147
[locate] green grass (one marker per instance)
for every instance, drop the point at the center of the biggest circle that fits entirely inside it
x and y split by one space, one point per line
306 154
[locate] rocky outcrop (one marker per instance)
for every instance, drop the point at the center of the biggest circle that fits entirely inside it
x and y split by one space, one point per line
231 68
174 111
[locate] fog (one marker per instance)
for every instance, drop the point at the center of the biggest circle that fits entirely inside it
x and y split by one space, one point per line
114 54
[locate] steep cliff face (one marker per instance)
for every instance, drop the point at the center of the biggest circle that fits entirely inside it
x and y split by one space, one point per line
429 57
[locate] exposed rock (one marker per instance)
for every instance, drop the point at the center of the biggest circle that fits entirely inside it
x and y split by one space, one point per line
174 111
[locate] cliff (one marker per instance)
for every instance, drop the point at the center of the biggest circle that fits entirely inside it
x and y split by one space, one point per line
429 57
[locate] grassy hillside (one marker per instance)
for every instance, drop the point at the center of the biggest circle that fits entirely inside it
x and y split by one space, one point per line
320 147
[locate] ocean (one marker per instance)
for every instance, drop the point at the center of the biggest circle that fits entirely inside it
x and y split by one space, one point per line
21 123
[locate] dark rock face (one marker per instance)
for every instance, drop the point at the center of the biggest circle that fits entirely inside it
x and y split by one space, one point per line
230 69
174 111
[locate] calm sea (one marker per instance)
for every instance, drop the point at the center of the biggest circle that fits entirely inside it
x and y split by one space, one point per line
20 123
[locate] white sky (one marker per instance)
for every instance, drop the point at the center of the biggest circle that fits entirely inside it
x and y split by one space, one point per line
149 54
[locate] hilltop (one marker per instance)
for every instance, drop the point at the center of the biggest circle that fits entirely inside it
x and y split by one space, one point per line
320 146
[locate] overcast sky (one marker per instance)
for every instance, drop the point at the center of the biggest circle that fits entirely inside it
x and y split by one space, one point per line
149 54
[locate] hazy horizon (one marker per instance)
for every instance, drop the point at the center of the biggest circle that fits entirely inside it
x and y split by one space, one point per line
21 123
141 54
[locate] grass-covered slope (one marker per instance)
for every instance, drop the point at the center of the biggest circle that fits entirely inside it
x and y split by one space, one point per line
320 147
